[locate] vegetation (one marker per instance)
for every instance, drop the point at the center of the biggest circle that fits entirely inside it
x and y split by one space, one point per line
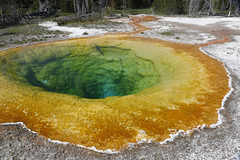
167 33
169 7
17 11
29 33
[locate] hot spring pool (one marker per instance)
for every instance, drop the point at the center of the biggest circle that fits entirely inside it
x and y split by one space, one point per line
110 91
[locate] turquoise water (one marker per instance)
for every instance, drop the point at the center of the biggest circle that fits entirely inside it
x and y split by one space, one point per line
91 72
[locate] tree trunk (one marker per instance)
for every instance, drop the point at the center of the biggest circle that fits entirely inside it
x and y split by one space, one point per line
87 6
3 8
230 7
223 7
10 12
77 7
83 9
211 7
106 5
100 8
125 4
193 7
112 7
46 6
92 7
237 7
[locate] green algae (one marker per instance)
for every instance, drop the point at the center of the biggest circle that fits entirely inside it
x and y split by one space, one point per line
86 71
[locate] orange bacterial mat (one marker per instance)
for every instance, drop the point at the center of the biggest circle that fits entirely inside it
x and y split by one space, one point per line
157 86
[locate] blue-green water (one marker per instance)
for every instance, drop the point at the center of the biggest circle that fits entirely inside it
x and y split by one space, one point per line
89 72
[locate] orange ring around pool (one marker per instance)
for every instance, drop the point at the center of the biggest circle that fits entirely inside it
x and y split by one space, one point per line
190 90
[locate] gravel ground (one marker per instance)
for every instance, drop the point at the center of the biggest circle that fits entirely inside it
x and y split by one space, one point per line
223 142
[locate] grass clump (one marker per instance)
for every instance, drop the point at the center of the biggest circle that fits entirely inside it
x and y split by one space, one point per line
167 33
74 21
27 33
134 11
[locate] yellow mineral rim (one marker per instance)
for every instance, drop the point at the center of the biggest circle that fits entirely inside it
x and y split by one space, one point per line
158 86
